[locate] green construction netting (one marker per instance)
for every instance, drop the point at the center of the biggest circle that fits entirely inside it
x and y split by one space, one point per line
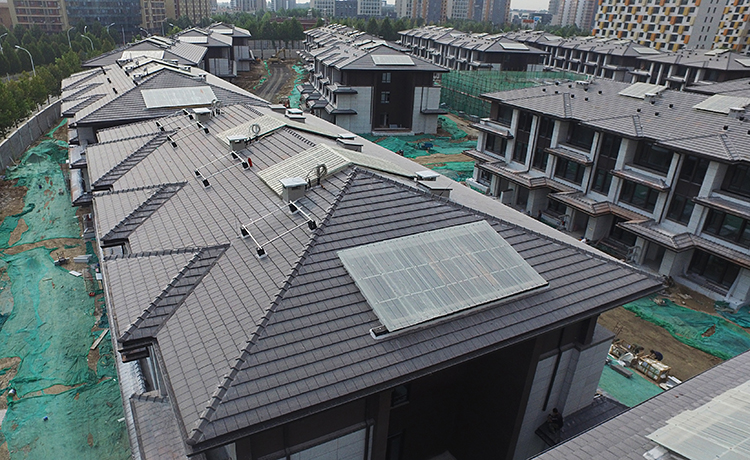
47 211
629 391
49 322
421 146
461 89
451 128
741 318
294 97
705 332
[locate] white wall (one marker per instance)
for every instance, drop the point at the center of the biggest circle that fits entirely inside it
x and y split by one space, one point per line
427 98
362 103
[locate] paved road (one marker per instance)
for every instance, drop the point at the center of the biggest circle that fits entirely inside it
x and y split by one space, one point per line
280 73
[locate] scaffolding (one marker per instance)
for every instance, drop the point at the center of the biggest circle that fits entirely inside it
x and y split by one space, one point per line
461 90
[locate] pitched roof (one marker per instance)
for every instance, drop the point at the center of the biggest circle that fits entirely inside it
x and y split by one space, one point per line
203 320
184 53
633 426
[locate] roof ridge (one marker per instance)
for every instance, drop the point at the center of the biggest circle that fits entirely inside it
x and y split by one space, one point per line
163 252
129 162
226 381
134 189
210 254
145 210
78 91
120 139
116 98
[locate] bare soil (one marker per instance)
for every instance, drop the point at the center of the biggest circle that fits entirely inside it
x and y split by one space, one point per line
463 124
440 158
684 360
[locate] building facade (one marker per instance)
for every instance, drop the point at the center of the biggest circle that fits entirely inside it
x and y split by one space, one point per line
652 175
672 26
327 8
369 8
365 85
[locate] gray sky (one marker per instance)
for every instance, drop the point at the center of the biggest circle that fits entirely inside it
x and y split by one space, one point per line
529 4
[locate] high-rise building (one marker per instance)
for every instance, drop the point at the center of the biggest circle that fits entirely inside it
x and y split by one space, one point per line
669 26
125 14
495 11
326 7
284 4
368 7
248 5
50 17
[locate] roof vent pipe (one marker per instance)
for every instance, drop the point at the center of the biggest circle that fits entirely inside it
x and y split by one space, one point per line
651 97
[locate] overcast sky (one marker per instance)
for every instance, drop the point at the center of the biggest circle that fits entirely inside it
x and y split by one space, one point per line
529 4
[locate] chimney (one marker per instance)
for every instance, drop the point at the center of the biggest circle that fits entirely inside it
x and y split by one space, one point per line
651 97
202 113
237 142
737 113
295 115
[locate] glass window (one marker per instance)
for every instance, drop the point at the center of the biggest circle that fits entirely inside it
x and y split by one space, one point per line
580 136
522 137
543 141
385 77
688 186
737 180
728 227
639 196
606 162
495 144
653 157
569 170
714 268
504 115
385 97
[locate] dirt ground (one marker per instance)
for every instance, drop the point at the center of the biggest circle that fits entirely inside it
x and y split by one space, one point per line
463 124
249 80
684 360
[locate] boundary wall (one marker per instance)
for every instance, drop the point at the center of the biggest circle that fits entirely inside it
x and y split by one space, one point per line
12 147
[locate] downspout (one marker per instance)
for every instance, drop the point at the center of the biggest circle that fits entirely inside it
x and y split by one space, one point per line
554 371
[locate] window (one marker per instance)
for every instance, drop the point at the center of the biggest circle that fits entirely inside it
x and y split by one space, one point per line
653 157
400 395
569 170
495 144
522 137
728 227
737 180
385 77
504 115
620 234
150 372
713 268
639 195
688 186
385 97
543 141
580 136
606 162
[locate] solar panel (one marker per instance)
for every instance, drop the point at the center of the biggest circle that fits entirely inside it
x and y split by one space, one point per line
266 124
721 104
135 54
193 39
513 46
639 90
744 62
177 97
718 429
646 50
416 278
388 59
302 165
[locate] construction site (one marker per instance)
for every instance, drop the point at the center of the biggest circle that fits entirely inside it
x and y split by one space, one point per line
59 392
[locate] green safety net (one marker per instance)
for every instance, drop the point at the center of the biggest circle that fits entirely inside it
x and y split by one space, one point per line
47 211
741 318
451 128
711 334
294 97
630 391
67 402
461 90
420 146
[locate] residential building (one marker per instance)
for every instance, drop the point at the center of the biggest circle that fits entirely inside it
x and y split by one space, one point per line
168 49
578 13
458 50
48 16
404 8
154 15
327 8
673 26
196 10
690 420
345 9
246 329
365 84
368 8
652 175
248 5
5 17
628 61
284 5
227 48
125 13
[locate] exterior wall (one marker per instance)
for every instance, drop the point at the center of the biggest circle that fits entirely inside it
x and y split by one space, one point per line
425 97
368 8
17 142
362 103
30 13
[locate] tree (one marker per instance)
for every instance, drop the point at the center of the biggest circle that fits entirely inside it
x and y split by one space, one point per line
372 27
320 22
386 30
